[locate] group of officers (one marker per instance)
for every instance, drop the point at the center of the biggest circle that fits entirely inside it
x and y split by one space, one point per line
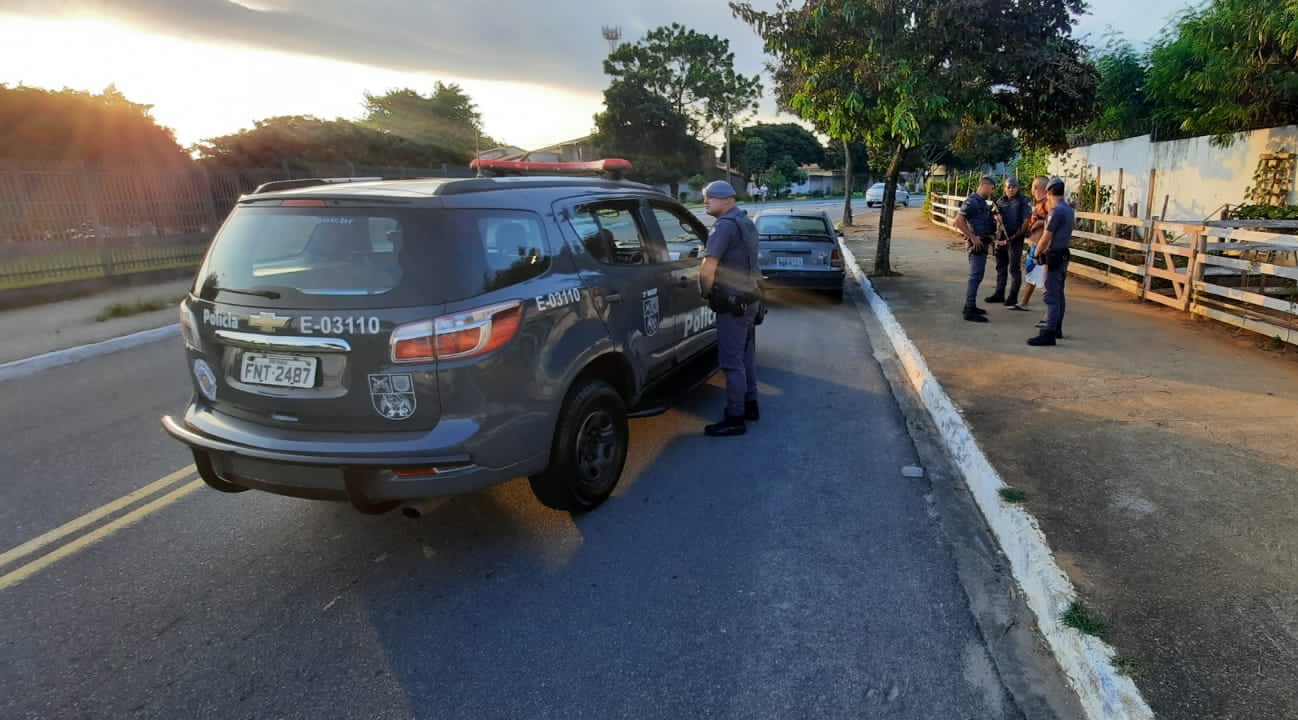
731 280
1003 227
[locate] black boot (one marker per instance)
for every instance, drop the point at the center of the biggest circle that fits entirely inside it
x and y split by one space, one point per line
731 425
995 298
751 411
973 315
1045 338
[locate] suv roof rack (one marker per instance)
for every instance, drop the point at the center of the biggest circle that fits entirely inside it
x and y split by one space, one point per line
276 185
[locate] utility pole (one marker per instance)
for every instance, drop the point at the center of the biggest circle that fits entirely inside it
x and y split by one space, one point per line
730 173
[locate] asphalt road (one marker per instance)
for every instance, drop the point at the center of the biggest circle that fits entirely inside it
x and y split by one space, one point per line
792 572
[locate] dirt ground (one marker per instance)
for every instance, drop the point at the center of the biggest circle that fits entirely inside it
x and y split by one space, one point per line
1160 454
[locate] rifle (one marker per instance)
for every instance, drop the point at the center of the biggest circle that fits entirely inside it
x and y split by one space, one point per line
1002 238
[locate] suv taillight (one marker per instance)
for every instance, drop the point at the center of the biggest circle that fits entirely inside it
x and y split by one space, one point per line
836 259
457 337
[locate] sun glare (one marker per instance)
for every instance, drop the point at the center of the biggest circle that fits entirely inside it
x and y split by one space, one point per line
204 90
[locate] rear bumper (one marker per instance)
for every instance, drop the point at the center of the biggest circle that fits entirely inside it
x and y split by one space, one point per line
804 279
339 469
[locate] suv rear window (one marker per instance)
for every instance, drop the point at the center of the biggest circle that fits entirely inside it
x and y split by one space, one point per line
792 225
369 257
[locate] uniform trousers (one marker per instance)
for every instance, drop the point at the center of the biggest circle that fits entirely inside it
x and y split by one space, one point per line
736 353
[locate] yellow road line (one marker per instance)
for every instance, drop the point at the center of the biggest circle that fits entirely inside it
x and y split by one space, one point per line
85 541
95 515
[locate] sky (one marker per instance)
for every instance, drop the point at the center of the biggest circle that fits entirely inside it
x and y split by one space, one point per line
533 67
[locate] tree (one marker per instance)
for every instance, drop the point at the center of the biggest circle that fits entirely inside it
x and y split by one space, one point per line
446 119
50 126
694 72
643 127
879 70
854 162
788 167
1227 67
783 139
753 159
1121 107
976 147
775 181
305 143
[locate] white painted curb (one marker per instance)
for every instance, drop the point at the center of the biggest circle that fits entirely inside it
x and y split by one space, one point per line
35 364
1086 661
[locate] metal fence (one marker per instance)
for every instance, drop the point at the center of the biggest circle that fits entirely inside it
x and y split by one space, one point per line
73 223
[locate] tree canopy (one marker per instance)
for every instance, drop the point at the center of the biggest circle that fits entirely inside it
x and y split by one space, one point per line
879 70
693 72
644 127
1226 67
1120 104
303 141
69 125
446 120
782 139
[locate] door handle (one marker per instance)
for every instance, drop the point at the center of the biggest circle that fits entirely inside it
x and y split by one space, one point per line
614 297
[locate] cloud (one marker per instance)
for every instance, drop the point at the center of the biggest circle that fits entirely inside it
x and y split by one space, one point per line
554 43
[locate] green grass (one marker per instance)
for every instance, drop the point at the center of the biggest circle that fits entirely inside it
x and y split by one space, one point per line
1128 666
89 264
1013 495
1081 619
139 307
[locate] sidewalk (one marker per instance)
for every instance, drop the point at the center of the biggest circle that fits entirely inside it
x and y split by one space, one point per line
36 330
1160 455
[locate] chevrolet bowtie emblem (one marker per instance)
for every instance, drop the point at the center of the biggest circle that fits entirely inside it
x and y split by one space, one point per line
268 321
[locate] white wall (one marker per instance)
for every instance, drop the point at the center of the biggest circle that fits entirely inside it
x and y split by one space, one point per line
1196 177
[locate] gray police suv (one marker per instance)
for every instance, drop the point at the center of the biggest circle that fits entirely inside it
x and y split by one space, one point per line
389 341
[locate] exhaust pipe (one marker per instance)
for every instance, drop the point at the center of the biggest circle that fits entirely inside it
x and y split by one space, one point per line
416 509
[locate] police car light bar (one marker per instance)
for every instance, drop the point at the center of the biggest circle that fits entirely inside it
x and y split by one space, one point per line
607 165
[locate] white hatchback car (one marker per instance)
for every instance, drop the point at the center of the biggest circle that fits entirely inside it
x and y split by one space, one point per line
874 196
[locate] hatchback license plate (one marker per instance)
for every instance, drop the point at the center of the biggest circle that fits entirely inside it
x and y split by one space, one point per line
788 260
278 370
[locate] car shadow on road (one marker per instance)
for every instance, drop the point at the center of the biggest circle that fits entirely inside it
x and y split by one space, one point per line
660 603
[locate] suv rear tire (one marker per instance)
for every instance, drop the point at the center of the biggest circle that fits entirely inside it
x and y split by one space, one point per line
590 445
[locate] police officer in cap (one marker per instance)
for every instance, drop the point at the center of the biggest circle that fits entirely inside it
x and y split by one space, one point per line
1015 209
976 224
1052 251
730 279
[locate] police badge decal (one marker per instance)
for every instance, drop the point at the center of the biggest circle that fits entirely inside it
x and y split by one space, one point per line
652 315
393 396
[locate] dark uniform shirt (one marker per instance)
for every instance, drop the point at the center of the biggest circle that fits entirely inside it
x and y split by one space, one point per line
1061 224
733 242
975 210
1014 212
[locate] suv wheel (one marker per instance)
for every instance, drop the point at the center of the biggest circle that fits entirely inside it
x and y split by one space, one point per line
589 450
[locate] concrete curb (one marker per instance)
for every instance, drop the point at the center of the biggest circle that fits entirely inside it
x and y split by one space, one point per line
35 364
1085 660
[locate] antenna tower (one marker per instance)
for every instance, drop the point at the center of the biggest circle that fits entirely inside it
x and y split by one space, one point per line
613 34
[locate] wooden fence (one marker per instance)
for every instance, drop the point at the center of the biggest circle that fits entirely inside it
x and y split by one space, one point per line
1240 272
